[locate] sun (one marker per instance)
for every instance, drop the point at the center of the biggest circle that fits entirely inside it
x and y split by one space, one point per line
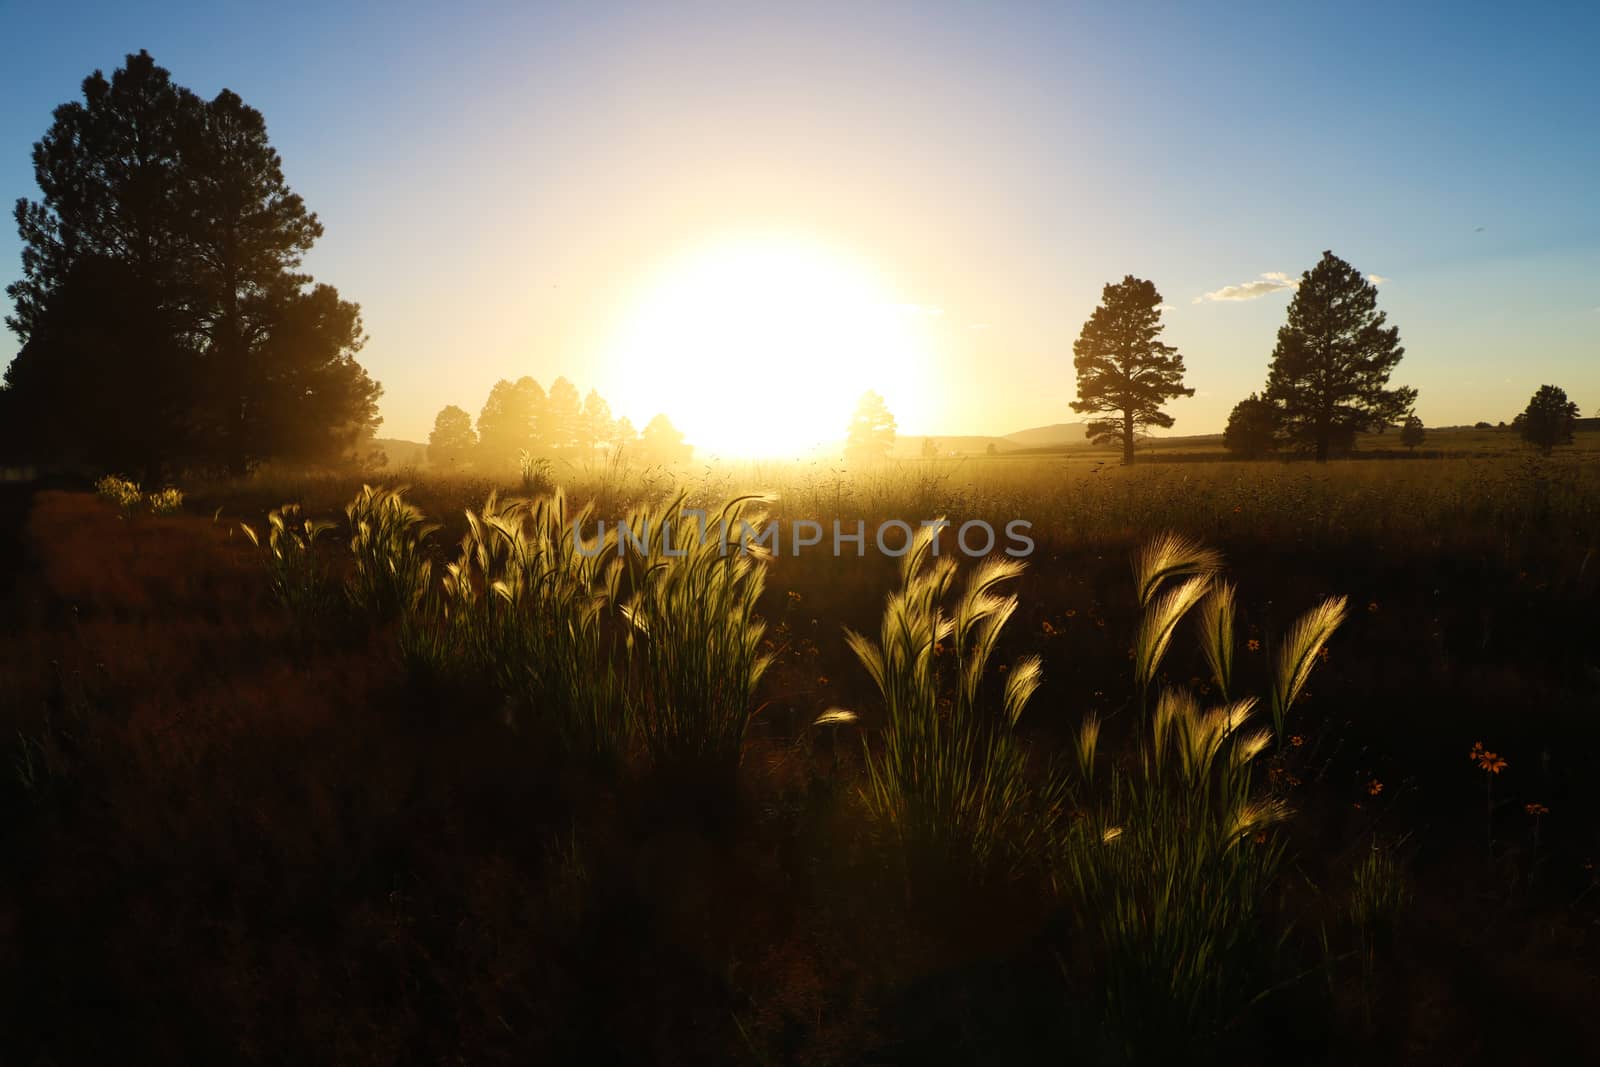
761 344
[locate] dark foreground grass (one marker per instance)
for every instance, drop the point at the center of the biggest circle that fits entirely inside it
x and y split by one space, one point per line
228 840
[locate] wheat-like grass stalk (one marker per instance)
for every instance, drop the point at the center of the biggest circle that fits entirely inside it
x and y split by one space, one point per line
1216 618
298 580
1156 626
1298 655
1086 747
392 570
695 642
950 777
1171 555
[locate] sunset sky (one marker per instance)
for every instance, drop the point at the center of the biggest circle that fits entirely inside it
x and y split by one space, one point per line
929 197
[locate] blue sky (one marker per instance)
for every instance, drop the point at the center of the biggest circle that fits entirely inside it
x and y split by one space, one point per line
495 180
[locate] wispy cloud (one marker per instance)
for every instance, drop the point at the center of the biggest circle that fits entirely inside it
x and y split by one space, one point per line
1270 282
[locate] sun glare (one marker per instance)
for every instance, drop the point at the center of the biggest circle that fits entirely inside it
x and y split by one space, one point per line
761 345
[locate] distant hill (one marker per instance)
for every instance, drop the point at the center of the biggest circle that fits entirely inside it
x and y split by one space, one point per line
1056 435
402 453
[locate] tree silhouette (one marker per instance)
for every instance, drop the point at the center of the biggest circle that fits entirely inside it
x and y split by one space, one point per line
510 422
1124 371
1253 428
594 422
1548 419
1333 359
1412 432
167 219
871 432
563 415
623 435
453 441
663 442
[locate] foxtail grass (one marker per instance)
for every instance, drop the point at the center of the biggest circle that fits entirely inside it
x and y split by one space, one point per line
694 642
551 591
1217 642
1298 655
950 777
298 577
1168 871
387 536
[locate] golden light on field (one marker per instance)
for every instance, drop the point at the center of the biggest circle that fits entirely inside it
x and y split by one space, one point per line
761 345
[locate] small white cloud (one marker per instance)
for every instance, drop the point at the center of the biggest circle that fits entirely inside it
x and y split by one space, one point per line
1165 307
1376 279
1272 281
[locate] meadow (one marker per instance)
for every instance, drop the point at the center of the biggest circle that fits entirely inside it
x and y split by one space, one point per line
1245 761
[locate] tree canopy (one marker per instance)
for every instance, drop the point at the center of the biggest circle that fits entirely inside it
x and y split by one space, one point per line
1330 370
520 417
663 442
1412 432
1125 373
162 314
871 432
1252 429
1548 419
453 440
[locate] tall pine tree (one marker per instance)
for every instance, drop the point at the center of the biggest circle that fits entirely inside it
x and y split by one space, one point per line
1330 370
217 351
1125 373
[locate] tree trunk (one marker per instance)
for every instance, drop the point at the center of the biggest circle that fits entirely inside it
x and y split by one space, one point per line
1127 439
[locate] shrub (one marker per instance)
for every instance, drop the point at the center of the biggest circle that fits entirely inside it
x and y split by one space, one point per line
168 501
121 491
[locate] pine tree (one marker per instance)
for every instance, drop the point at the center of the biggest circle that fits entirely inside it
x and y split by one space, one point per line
1124 372
594 422
871 432
564 413
1330 369
216 350
511 422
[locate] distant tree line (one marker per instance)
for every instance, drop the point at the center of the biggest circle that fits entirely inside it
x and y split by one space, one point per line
163 317
521 419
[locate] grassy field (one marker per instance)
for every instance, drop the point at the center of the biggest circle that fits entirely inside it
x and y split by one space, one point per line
1314 780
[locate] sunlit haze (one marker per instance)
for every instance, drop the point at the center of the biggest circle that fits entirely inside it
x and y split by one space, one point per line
759 344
